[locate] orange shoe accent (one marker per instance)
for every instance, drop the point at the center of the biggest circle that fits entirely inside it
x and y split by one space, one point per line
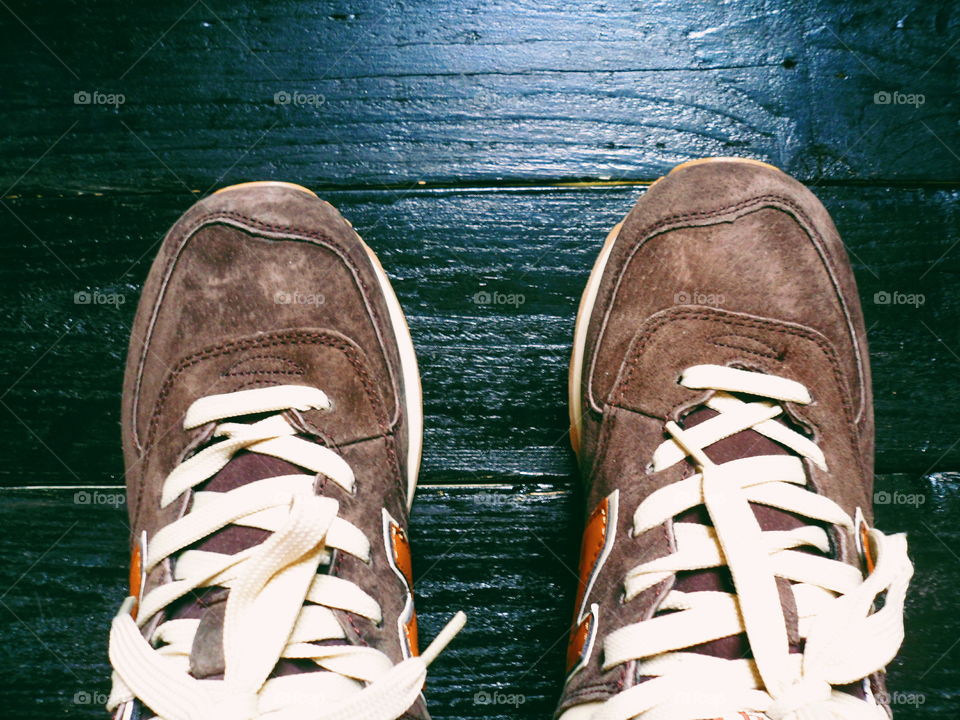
594 540
401 552
867 549
400 546
136 577
412 633
593 551
578 640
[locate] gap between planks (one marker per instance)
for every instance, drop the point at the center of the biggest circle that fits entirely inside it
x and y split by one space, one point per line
426 187
424 486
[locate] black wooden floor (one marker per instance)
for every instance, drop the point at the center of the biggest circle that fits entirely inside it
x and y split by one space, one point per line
475 146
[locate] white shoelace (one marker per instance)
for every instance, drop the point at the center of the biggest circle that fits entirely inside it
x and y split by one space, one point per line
845 639
278 605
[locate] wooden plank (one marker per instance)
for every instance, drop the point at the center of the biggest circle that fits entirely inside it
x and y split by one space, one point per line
502 553
494 375
454 92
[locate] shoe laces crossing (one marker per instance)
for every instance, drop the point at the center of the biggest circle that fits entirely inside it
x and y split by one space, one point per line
844 638
278 606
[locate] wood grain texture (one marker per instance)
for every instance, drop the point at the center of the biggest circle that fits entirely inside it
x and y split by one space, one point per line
503 553
468 141
387 92
494 375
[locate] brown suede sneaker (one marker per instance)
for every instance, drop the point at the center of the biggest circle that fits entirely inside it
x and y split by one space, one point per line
272 427
721 410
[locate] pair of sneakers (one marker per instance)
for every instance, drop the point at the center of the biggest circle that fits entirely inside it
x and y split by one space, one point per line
272 443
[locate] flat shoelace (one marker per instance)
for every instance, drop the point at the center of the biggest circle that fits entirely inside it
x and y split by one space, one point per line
278 605
844 639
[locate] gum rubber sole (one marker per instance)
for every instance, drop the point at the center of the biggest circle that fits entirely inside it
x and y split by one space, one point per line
265 183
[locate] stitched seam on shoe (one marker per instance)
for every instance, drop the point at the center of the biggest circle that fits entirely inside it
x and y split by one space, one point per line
247 373
663 225
291 367
211 218
266 341
758 353
336 572
642 338
646 334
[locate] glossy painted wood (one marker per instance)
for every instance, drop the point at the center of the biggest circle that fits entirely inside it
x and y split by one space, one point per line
478 147
459 92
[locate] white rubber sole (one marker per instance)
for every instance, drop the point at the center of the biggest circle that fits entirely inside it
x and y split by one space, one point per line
413 392
587 300
589 297
410 373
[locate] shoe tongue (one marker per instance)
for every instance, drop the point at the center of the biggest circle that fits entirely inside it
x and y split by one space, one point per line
746 443
209 604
